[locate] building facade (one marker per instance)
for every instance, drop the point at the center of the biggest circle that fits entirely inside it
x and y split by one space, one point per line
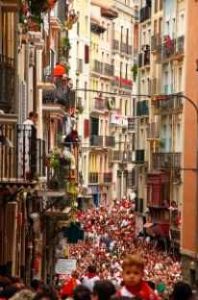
161 72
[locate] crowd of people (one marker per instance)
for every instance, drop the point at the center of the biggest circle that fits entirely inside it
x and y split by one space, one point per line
110 236
112 264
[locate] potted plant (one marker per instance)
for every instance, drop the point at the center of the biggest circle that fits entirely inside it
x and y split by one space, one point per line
134 70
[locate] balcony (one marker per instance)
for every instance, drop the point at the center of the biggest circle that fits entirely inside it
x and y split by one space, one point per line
108 70
116 156
166 160
79 64
139 156
145 13
122 156
22 155
100 104
156 42
109 141
144 58
153 131
97 67
131 179
7 83
96 141
109 13
96 27
171 48
168 105
142 108
125 48
115 45
175 235
103 68
131 124
107 177
122 83
59 97
93 178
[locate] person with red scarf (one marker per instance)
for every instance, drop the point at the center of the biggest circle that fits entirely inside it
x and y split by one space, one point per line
134 285
90 278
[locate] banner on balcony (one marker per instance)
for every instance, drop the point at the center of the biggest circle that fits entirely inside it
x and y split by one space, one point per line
65 266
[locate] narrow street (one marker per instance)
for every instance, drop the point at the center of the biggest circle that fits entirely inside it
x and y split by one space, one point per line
110 235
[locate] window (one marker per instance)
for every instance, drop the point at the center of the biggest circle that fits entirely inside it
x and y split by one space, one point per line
126 72
125 107
156 6
160 4
121 65
155 27
86 54
121 35
85 91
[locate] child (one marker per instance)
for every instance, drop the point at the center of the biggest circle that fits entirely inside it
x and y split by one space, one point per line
134 285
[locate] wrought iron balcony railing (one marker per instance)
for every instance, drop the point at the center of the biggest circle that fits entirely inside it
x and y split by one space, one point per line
153 131
145 13
131 124
7 83
60 94
169 105
115 45
107 177
166 160
96 140
93 177
99 103
22 155
109 141
171 48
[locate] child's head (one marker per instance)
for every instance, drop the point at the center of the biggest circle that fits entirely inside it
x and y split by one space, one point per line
133 270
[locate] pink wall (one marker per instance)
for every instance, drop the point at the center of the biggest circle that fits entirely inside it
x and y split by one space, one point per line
189 230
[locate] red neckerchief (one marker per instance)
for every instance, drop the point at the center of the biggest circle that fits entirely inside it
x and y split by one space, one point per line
143 291
90 275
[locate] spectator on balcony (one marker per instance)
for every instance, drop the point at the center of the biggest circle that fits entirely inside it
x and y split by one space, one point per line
32 119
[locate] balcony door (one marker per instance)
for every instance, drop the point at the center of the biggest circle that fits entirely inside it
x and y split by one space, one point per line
94 126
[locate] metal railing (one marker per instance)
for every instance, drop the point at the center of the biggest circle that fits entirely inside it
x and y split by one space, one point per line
166 160
144 58
131 124
171 48
107 177
115 45
169 105
7 82
108 70
96 140
93 177
99 103
109 141
79 65
153 131
145 13
22 155
60 94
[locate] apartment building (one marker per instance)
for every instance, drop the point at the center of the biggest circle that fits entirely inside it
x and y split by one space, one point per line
122 123
79 62
104 32
38 161
163 75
